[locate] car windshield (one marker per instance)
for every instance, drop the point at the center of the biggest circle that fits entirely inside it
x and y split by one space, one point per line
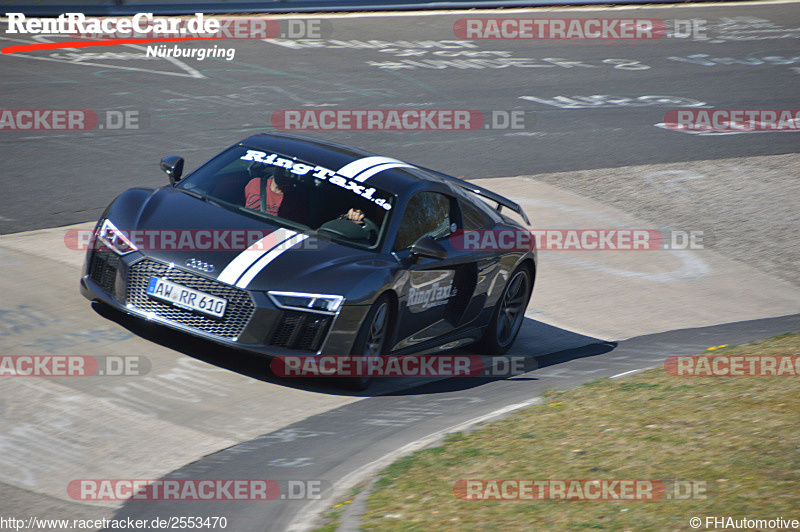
293 192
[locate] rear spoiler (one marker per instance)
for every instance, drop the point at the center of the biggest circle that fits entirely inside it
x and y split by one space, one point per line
488 194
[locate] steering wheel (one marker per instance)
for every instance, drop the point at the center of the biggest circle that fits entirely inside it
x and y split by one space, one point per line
366 230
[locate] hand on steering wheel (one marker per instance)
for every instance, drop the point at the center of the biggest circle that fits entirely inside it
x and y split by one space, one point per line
354 215
361 228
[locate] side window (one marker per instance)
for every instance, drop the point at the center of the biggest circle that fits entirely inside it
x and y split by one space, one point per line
473 217
427 213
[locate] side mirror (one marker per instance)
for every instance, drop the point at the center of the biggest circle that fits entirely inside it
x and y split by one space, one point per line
428 247
173 167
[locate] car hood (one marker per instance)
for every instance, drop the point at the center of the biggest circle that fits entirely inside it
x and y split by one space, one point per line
199 236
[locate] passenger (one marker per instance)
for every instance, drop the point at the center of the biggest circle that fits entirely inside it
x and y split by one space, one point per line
275 196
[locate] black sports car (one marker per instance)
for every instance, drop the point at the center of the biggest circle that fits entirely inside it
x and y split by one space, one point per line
284 245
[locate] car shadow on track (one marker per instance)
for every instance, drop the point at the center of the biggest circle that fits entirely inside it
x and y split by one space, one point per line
538 346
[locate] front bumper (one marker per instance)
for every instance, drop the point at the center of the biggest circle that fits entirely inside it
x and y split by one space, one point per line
252 322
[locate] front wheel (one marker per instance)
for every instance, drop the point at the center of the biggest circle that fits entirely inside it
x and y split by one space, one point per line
509 313
372 339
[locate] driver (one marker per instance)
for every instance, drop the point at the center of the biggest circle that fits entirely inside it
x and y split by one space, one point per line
275 196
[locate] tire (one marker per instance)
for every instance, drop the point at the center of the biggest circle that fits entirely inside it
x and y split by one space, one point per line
509 314
372 339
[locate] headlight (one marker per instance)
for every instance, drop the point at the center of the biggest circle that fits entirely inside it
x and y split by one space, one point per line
114 239
302 301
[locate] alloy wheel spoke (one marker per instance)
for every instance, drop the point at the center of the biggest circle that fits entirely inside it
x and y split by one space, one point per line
512 308
374 342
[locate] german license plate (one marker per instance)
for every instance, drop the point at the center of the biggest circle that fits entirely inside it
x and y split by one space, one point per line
184 297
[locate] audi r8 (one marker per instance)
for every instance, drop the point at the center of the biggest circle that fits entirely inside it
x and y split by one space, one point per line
285 245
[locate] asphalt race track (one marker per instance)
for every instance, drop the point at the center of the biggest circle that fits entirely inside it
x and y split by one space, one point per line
591 151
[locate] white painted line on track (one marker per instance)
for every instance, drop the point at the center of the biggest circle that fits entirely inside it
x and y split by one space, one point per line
304 519
626 373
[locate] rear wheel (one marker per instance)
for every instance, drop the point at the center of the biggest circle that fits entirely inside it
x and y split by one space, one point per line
372 339
509 313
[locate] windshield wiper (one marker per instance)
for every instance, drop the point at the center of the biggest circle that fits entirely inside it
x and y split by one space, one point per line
197 195
191 193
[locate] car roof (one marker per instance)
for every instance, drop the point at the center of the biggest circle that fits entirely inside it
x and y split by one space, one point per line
334 156
401 181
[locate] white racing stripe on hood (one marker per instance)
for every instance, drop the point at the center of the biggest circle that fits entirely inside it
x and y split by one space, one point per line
273 254
249 256
360 168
